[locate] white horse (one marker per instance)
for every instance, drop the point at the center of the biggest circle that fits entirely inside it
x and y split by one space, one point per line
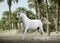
30 24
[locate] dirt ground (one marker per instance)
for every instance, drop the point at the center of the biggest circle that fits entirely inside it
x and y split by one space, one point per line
13 37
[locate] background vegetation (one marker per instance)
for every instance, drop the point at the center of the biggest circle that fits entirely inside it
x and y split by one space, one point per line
50 9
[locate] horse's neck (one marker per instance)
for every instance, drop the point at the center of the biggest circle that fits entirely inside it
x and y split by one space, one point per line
24 18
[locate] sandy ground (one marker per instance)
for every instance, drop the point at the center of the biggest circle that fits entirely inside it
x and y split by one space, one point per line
15 37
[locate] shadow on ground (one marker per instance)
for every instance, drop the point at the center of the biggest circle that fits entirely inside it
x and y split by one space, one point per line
28 39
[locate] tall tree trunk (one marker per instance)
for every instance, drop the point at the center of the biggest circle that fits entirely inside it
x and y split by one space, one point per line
36 9
38 12
19 25
12 25
47 17
10 16
56 23
16 23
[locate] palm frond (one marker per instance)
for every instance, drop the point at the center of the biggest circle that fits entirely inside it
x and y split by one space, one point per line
1 0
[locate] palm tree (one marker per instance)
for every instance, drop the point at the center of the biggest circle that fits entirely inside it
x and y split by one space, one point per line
2 24
14 21
5 14
38 7
47 16
5 18
57 16
9 2
35 4
56 2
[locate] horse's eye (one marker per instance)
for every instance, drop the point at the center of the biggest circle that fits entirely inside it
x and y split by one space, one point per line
19 14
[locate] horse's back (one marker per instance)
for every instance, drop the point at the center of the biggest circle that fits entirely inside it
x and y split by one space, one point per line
34 23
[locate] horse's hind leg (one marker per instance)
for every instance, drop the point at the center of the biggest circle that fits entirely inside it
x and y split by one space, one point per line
38 30
41 29
36 34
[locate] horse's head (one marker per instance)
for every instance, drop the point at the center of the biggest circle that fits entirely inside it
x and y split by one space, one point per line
19 15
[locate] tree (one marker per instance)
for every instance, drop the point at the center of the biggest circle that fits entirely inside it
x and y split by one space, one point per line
5 18
47 16
57 15
56 2
30 14
9 2
36 4
5 15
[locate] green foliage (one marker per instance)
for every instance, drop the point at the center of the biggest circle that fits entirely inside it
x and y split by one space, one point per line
58 1
31 0
4 22
39 1
5 18
32 5
19 9
9 2
30 14
1 0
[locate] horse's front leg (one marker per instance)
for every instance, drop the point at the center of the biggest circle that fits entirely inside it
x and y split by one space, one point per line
24 33
22 29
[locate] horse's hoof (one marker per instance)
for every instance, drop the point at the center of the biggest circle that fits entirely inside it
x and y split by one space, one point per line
22 38
32 39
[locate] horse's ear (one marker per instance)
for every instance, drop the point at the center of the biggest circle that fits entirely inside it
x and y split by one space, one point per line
21 12
42 15
18 14
24 12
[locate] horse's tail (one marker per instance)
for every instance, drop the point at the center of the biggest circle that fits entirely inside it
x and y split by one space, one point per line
45 20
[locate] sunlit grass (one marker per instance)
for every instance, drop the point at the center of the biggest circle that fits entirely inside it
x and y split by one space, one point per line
8 32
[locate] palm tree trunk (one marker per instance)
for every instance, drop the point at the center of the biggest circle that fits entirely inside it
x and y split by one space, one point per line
10 16
47 17
12 25
16 23
19 25
56 23
38 10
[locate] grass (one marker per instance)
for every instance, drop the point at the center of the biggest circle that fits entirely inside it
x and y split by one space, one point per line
8 32
13 32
